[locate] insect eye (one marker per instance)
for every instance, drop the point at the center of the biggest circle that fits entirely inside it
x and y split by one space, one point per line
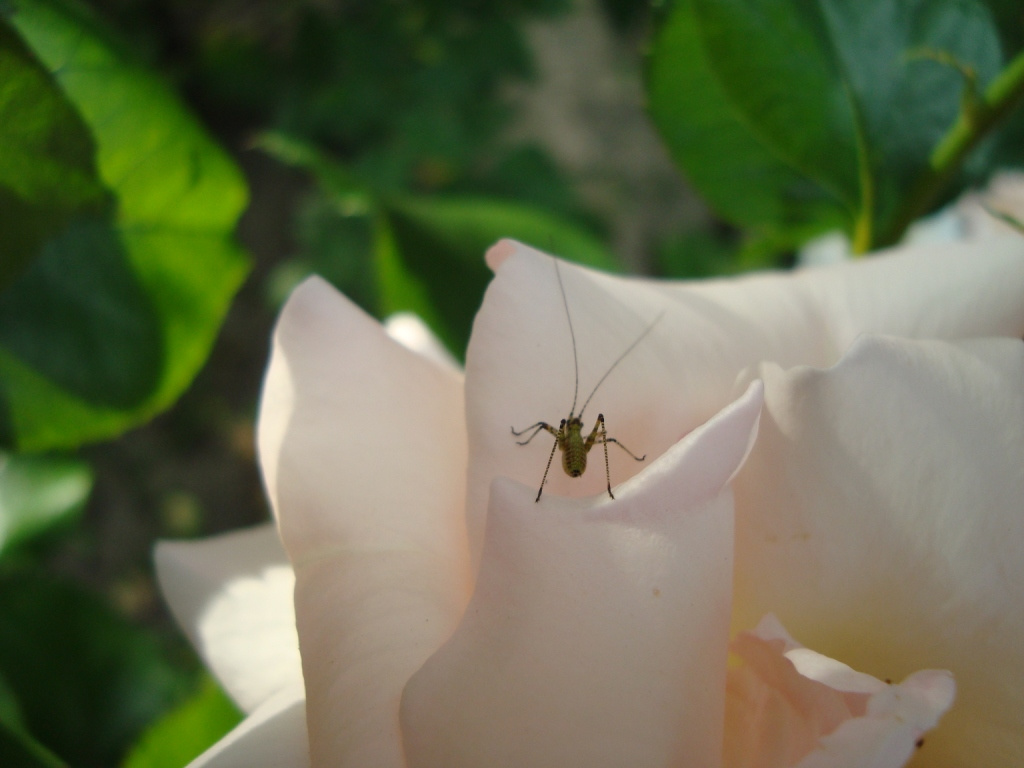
563 422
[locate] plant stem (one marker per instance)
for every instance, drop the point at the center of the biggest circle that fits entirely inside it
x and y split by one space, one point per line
971 126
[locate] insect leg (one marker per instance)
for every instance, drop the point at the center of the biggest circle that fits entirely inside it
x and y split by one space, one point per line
604 442
545 478
600 435
536 430
613 440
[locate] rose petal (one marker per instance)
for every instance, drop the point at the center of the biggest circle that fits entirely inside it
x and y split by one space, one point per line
273 736
232 595
520 359
774 715
597 632
880 518
412 333
362 444
785 710
888 735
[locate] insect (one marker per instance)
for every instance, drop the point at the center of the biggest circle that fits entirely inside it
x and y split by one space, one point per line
569 434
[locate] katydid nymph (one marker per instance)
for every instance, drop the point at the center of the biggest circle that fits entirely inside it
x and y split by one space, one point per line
569 436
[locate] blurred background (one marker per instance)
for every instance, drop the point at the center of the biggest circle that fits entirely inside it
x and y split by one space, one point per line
384 144
526 100
532 100
535 101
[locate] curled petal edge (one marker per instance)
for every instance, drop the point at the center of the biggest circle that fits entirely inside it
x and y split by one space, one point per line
790 707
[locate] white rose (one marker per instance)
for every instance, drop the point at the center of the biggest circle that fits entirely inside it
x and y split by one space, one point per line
878 519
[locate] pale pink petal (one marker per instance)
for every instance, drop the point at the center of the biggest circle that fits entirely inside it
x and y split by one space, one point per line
598 629
789 706
232 594
411 332
273 736
520 358
362 444
880 518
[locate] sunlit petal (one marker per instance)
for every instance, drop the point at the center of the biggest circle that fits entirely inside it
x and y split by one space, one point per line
362 447
880 518
232 594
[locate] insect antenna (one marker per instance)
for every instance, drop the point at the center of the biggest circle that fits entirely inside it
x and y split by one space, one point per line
572 334
619 359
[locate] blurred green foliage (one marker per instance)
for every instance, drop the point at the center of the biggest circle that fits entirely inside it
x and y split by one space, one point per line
386 104
119 264
86 681
187 731
423 252
403 92
38 496
402 100
117 268
120 219
18 748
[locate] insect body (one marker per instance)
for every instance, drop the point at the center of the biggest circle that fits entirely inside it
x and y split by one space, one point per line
569 434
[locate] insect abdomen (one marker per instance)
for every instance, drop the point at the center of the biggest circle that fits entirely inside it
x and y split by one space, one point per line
574 461
574 450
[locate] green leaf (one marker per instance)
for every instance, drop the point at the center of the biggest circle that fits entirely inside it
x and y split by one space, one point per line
334 177
77 314
121 219
839 93
38 493
187 731
17 748
430 255
735 170
47 173
10 711
1006 14
87 682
